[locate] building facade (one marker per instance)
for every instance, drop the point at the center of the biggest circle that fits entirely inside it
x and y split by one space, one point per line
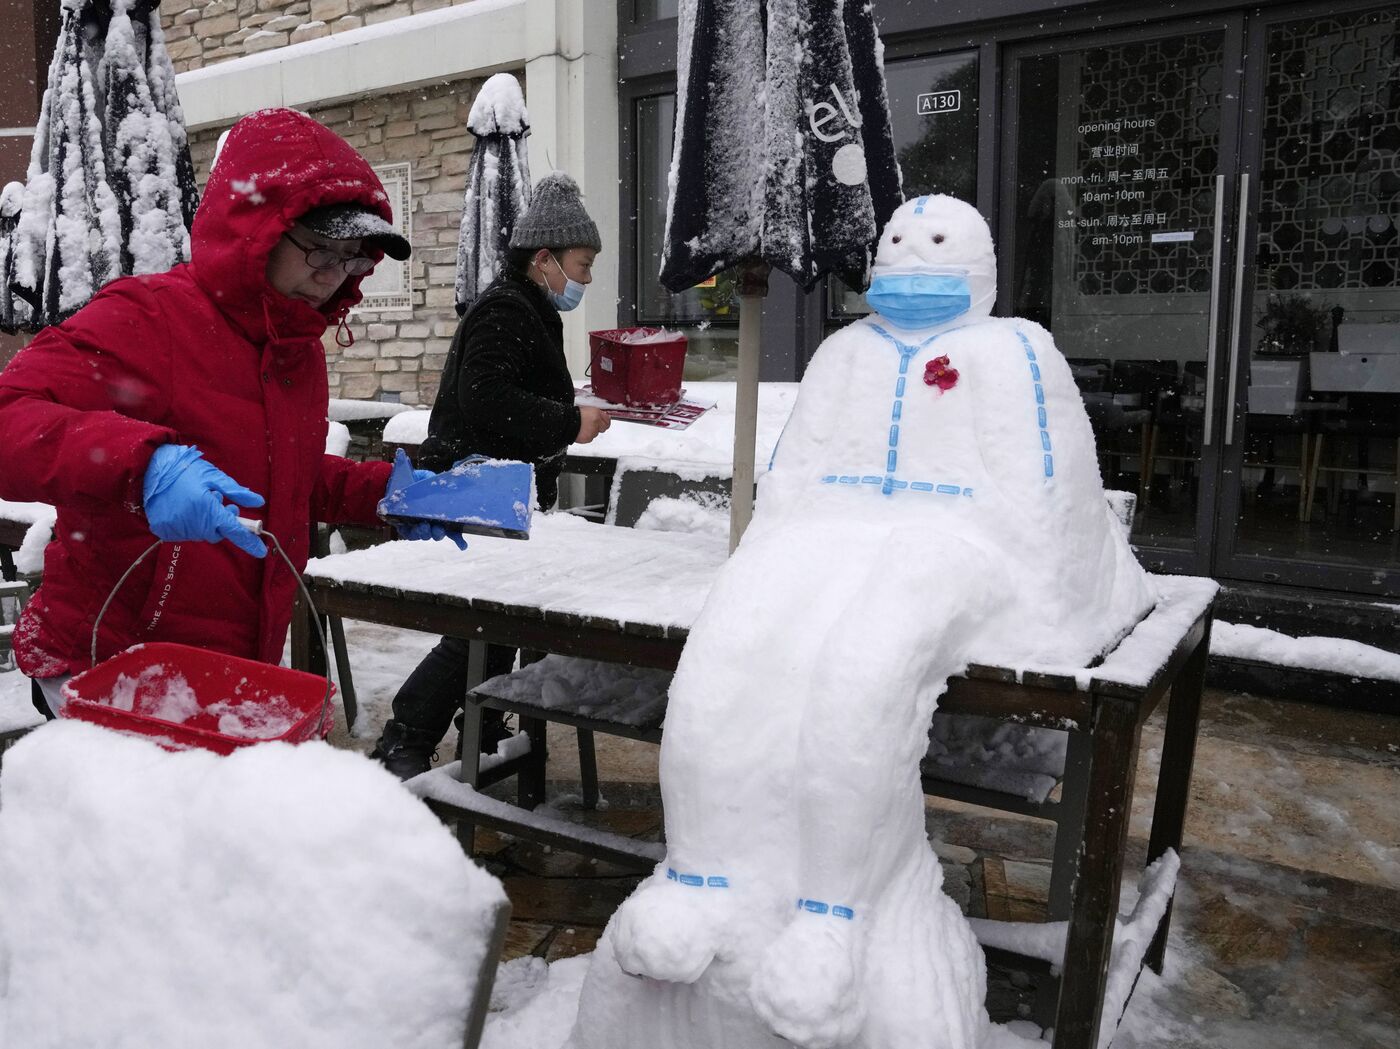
1201 202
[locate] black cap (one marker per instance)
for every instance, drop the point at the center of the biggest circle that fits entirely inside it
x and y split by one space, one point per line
357 222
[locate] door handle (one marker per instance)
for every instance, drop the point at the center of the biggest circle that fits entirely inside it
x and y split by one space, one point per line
1213 327
1236 310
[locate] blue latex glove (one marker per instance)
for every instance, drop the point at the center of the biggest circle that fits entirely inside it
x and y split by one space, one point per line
429 529
185 495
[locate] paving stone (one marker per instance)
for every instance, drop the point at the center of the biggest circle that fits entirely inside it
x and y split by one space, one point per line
572 941
1240 938
1027 881
585 901
524 938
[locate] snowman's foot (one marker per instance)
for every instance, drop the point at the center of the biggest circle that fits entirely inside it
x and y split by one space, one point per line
669 930
807 987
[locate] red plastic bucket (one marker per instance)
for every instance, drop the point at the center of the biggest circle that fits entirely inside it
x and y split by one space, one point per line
182 697
625 371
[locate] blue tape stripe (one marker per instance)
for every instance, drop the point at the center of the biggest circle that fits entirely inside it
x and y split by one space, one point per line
1040 414
818 907
714 881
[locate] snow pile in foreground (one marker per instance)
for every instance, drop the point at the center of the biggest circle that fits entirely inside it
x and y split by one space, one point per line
282 896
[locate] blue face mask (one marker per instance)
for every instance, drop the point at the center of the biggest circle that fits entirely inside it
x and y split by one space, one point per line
919 300
570 297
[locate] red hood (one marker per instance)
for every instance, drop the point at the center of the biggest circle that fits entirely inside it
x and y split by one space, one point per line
275 165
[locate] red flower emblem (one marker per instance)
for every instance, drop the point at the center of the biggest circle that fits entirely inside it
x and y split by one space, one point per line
939 372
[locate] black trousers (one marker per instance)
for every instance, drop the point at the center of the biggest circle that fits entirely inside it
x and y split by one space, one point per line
437 688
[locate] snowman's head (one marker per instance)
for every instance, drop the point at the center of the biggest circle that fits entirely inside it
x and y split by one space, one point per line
934 246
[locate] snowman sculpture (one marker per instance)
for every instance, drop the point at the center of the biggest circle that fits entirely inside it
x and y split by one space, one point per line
934 501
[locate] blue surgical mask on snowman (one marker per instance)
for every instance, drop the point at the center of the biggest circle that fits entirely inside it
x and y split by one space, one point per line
920 300
570 297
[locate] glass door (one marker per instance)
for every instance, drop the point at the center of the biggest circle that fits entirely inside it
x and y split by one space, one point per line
1312 464
1116 222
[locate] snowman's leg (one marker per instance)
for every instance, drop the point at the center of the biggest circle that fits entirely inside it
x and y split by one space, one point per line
862 736
728 752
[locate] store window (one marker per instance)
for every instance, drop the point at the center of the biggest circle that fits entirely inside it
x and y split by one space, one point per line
654 10
933 115
707 313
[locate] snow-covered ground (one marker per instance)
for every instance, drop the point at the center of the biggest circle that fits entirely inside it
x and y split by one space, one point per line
1265 802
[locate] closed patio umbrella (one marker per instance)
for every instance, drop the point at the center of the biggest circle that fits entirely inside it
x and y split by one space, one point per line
110 187
498 185
10 198
783 158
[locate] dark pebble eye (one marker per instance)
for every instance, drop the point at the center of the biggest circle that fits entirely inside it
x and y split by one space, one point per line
938 238
896 239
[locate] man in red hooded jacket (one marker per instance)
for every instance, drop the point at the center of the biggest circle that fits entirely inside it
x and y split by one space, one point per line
168 393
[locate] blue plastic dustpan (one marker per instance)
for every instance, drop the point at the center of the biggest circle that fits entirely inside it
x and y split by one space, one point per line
478 495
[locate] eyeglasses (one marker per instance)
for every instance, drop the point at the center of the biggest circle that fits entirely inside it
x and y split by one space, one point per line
319 258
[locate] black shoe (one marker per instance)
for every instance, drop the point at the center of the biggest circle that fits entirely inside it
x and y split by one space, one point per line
494 730
405 751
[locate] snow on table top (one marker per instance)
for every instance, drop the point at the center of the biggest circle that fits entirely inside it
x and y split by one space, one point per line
660 579
568 565
1180 602
26 513
345 410
710 439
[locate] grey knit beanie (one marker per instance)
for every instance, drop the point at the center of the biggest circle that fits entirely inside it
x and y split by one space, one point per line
556 218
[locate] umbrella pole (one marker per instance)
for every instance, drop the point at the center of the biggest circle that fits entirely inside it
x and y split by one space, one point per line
753 286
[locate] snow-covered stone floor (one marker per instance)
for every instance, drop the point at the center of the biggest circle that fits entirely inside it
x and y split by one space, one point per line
1286 933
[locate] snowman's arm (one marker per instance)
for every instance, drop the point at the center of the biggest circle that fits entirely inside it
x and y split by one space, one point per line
822 401
1032 428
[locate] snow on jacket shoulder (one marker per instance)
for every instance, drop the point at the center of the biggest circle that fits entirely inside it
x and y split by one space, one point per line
207 354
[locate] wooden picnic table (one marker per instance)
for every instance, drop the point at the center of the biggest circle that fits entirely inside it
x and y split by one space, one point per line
628 596
15 521
708 440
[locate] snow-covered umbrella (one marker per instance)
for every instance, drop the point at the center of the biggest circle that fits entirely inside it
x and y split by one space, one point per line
783 158
110 187
10 198
144 140
498 185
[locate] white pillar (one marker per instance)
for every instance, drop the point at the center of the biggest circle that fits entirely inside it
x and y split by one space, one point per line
571 93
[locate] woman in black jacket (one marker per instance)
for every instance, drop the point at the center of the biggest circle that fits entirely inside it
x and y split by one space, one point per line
505 393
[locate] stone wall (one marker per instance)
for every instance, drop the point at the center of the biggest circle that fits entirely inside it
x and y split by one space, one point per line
400 356
201 32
